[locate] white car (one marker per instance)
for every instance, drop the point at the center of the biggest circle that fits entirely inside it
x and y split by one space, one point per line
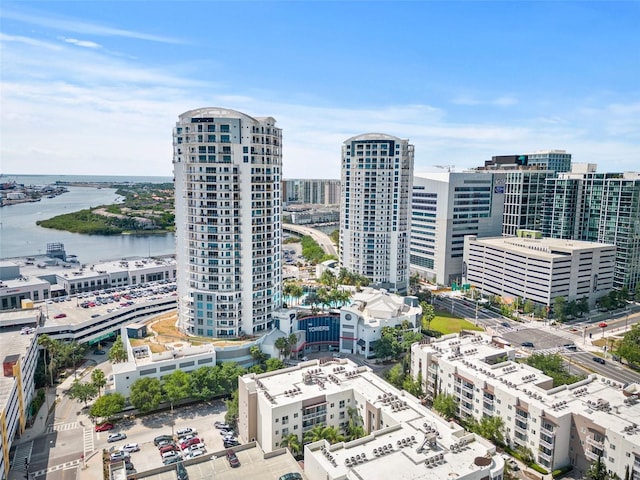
186 431
194 454
195 447
130 447
119 456
186 438
114 437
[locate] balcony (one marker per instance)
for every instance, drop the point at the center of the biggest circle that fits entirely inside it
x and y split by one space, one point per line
548 430
593 454
592 442
546 444
545 456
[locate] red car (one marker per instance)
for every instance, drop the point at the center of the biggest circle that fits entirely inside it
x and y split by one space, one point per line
60 315
103 427
189 442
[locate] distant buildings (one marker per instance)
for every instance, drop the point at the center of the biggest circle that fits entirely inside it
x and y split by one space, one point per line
404 439
376 183
311 191
446 207
560 425
539 269
228 174
554 160
598 207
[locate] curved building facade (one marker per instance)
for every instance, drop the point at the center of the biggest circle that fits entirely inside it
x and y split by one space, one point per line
376 185
227 168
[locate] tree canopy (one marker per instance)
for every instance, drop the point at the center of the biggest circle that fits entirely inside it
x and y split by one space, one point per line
629 347
107 406
145 394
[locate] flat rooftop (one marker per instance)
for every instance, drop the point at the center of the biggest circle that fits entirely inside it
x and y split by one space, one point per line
548 248
253 465
12 342
413 438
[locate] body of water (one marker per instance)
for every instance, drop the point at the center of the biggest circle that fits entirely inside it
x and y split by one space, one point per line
20 236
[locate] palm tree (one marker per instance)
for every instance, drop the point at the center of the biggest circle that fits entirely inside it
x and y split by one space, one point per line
281 344
292 442
354 428
331 434
48 344
292 341
314 434
98 379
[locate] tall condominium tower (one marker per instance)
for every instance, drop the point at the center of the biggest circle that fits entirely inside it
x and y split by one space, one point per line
227 168
314 191
554 160
376 183
524 191
446 207
598 207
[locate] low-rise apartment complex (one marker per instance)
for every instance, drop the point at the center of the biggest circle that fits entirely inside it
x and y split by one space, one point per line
564 425
404 439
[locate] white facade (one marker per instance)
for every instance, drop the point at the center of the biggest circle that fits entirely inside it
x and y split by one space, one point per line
370 310
19 355
446 207
404 439
539 269
376 183
569 424
227 168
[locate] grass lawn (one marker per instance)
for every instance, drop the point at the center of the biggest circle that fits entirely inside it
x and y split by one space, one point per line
446 323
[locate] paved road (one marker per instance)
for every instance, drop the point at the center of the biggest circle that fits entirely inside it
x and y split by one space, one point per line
322 238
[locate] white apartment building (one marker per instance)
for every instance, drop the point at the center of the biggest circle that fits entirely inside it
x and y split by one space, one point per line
539 269
19 354
446 207
376 184
370 310
569 424
404 439
227 168
311 191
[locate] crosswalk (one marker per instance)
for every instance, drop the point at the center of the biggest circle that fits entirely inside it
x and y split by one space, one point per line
88 442
55 468
61 427
22 452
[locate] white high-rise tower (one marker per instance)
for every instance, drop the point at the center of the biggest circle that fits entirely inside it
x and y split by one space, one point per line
376 185
227 168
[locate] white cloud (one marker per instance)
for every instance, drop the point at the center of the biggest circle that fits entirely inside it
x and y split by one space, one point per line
470 100
81 26
84 111
82 43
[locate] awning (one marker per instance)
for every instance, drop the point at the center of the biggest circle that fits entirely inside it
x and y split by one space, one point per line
361 342
99 338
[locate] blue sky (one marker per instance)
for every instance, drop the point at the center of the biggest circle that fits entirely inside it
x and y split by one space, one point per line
95 87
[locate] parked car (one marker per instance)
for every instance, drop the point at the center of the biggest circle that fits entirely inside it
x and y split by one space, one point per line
233 459
171 447
170 460
165 442
527 344
228 432
130 447
186 444
99 352
194 454
184 438
60 315
114 437
230 443
505 324
510 462
162 438
196 446
222 426
291 476
119 456
186 431
599 360
170 454
103 427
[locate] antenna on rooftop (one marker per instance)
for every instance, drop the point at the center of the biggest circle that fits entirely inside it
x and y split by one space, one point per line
447 167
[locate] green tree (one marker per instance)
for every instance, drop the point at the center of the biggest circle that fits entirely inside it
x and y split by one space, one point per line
354 428
583 305
204 383
314 434
98 379
491 428
145 394
281 344
274 364
553 366
331 434
445 405
528 307
637 294
107 406
428 314
228 375
82 392
176 386
560 309
48 345
258 355
233 409
388 344
629 347
395 375
118 353
597 470
292 442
